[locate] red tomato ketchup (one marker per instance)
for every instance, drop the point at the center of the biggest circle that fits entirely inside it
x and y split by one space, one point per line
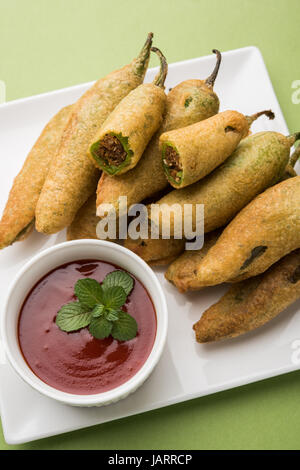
76 362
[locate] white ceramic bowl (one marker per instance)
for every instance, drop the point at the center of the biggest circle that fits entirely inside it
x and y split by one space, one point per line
60 254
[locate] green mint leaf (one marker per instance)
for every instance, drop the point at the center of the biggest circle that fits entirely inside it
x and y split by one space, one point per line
98 311
89 292
112 315
100 328
114 297
125 328
72 317
118 278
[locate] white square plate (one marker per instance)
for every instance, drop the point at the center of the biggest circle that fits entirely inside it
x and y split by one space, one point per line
187 370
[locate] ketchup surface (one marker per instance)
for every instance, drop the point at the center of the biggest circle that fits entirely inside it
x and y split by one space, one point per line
76 362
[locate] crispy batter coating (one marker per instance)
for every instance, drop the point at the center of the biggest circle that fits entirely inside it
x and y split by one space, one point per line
263 232
252 303
25 232
257 163
156 252
188 262
203 146
72 176
189 102
85 222
18 217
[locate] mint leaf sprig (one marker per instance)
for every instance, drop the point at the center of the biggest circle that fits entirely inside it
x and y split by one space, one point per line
99 308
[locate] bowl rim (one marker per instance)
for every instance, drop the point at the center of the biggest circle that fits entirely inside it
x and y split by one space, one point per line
116 393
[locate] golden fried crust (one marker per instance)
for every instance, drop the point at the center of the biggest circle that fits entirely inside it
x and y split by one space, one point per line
257 163
189 102
85 222
72 176
188 262
203 146
25 232
137 117
263 232
18 216
148 177
156 252
252 303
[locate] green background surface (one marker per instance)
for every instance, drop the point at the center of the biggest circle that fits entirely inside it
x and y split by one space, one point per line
50 44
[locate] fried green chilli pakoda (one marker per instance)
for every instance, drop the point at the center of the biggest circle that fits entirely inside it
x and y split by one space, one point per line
258 162
252 303
190 153
73 177
188 102
267 229
18 217
119 144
